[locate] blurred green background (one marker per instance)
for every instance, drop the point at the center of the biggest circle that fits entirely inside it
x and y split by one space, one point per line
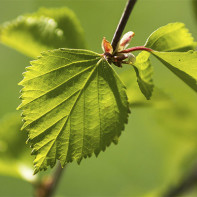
158 147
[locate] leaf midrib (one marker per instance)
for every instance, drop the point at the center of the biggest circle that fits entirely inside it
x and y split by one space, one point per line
69 114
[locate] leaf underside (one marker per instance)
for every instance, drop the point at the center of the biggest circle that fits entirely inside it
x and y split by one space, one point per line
73 105
182 64
144 72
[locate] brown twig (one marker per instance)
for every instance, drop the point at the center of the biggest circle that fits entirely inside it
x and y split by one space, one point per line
122 23
47 186
185 185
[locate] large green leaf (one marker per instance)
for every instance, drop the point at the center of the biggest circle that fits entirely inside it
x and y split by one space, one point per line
144 71
183 64
171 37
43 30
73 105
15 159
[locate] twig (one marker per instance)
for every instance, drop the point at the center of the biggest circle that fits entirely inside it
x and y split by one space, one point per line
186 184
47 187
122 23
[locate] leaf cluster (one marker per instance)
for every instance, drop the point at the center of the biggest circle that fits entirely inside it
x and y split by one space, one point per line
74 103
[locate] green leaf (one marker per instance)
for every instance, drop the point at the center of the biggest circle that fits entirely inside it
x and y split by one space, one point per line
182 64
144 73
15 159
159 98
74 104
171 37
44 30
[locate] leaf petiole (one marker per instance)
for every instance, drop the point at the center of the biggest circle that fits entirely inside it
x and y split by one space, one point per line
138 48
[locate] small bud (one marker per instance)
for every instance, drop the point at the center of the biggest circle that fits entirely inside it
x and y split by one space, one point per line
124 42
106 46
131 58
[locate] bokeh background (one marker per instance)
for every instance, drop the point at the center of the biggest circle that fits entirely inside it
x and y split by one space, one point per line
158 147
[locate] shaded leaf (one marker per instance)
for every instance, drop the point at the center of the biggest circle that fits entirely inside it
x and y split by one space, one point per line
183 64
136 100
171 37
43 30
73 105
144 73
194 6
15 159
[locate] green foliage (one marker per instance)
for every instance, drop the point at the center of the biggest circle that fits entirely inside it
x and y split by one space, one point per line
73 105
182 64
159 99
171 37
46 29
15 159
144 71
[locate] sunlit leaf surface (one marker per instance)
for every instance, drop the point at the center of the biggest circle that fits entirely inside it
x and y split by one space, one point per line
182 64
171 37
73 105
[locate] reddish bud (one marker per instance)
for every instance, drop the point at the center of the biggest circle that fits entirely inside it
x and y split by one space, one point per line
106 46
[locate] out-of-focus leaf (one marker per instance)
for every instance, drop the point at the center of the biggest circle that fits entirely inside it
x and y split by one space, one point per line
15 158
171 37
194 5
44 30
74 105
182 64
144 71
136 99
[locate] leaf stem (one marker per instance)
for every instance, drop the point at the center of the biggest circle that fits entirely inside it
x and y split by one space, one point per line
122 23
48 185
136 49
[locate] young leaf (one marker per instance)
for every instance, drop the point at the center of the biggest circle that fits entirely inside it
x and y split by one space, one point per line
171 37
46 29
144 73
183 64
159 98
73 105
15 159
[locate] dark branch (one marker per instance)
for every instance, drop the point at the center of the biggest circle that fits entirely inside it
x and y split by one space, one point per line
47 186
122 23
186 184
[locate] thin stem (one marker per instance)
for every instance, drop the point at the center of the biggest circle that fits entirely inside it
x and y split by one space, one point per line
185 185
136 49
122 23
48 186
